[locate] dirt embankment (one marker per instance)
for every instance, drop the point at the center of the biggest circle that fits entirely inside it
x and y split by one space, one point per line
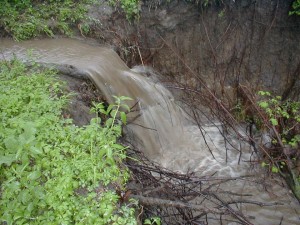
238 42
248 42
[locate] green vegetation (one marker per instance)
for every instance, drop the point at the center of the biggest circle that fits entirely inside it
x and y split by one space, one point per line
153 221
130 7
295 8
279 121
51 171
282 120
284 116
29 18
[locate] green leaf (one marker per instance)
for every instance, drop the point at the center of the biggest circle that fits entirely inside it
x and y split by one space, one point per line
147 221
13 186
29 131
123 117
36 151
157 220
263 105
275 169
109 108
113 113
118 146
126 107
103 111
263 164
123 98
34 175
274 121
12 144
263 93
8 159
117 99
108 122
25 196
39 192
109 153
285 114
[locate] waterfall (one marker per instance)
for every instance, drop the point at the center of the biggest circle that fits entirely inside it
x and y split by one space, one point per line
160 127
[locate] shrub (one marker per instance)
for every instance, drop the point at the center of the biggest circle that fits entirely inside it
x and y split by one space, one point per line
282 120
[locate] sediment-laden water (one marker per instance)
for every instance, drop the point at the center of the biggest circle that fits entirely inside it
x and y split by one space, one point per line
161 128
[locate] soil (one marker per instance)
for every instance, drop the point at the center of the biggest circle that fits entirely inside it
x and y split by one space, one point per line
254 43
84 93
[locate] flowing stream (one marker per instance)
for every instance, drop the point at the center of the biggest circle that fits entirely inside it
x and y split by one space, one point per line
160 127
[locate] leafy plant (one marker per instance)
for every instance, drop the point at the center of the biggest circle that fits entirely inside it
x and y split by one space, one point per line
285 116
295 8
51 171
28 18
113 110
153 221
282 119
130 7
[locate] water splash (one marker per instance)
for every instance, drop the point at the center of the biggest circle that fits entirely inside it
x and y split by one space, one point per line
162 129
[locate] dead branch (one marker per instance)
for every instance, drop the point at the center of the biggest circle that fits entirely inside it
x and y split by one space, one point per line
183 197
254 202
177 204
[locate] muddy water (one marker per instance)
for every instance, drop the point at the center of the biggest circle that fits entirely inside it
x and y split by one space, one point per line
162 130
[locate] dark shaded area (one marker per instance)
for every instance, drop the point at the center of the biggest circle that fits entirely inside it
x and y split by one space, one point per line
238 42
83 94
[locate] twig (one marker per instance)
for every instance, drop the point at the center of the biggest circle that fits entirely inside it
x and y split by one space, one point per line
177 204
140 54
254 202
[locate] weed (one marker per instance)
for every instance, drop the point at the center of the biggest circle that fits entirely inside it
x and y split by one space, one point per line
27 19
284 116
51 171
153 221
130 7
295 8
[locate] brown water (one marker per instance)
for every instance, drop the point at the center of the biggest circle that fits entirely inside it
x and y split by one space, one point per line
164 132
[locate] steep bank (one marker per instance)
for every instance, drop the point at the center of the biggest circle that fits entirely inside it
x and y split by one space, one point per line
237 42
